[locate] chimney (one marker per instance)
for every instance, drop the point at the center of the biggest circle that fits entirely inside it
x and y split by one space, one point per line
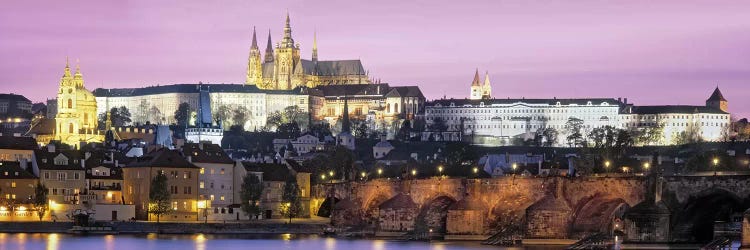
117 163
626 100
51 148
87 155
189 158
83 164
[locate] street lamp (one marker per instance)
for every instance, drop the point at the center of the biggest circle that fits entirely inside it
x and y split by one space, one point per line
606 166
414 172
514 166
716 164
476 170
363 175
646 165
380 171
440 170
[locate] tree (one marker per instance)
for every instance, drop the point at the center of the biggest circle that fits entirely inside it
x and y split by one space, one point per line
122 118
142 114
574 127
460 153
155 115
240 116
159 196
223 113
545 137
360 128
182 114
40 202
289 130
250 194
689 135
438 125
653 135
290 202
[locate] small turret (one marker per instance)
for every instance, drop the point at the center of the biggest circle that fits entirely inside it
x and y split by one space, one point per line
315 47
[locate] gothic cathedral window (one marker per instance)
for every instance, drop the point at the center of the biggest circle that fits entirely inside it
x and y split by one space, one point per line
70 103
70 128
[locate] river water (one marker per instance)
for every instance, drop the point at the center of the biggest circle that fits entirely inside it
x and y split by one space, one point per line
33 241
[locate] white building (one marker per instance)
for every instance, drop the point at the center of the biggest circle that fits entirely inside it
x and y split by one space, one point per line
215 179
498 121
157 104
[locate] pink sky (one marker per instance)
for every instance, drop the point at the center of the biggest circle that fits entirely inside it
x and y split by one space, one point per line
652 52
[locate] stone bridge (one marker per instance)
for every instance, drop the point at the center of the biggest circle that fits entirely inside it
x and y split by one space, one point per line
675 208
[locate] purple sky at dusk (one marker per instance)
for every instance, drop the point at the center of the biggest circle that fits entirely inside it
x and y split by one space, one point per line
652 52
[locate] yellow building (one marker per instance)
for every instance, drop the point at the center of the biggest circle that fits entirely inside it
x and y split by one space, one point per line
76 119
284 69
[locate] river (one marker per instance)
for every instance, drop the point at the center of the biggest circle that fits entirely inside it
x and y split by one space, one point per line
34 241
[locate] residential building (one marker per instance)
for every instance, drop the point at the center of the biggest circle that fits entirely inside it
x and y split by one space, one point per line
215 179
17 187
182 181
17 148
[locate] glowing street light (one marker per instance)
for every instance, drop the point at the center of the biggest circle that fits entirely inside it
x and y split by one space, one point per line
414 172
380 171
716 164
330 173
646 165
606 166
323 176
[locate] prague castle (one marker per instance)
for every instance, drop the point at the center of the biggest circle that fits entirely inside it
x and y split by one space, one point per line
282 67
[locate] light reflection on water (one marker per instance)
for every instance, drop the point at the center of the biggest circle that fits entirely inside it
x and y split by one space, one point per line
221 242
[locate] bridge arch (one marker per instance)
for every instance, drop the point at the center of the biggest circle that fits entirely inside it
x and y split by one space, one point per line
433 214
694 220
598 215
371 207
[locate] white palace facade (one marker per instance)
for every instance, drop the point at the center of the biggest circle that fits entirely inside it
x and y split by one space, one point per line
484 120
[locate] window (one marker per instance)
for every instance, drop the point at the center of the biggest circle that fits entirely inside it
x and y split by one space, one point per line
212 197
70 103
222 171
62 176
70 128
13 184
46 175
221 198
76 176
203 170
186 175
188 190
202 185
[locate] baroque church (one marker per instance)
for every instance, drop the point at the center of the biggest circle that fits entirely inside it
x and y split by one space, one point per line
282 67
76 119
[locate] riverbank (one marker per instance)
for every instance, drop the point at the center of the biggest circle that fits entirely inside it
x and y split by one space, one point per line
171 227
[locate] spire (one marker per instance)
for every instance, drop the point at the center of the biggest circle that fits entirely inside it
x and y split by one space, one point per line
487 78
269 49
315 47
476 79
287 41
67 67
345 119
78 68
255 40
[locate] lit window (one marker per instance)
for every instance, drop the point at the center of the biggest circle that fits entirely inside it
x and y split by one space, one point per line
202 185
203 170
13 184
212 197
221 198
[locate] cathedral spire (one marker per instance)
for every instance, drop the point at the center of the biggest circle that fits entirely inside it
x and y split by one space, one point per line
487 78
287 41
255 40
476 79
315 47
269 49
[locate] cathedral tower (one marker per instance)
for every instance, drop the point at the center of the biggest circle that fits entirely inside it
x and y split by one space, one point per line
287 57
476 87
254 65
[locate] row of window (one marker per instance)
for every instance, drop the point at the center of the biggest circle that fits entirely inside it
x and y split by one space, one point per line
176 189
61 176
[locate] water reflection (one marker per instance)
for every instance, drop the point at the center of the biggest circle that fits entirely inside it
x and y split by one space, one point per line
222 242
53 242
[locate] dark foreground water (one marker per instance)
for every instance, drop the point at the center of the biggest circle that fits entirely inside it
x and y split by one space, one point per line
213 242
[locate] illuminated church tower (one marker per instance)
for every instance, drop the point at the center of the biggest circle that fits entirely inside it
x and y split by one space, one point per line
486 88
76 119
287 57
